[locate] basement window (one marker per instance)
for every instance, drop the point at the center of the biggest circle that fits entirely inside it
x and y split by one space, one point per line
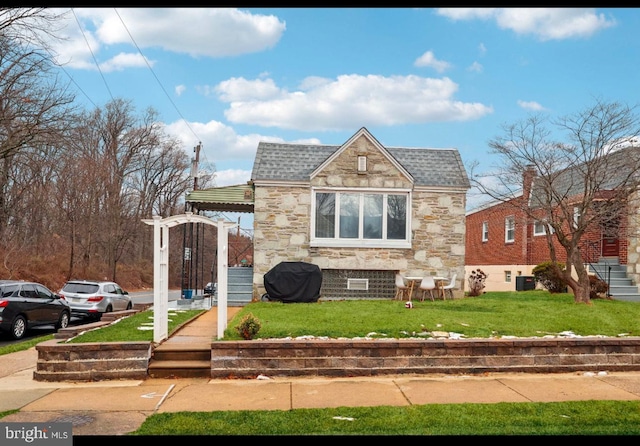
358 284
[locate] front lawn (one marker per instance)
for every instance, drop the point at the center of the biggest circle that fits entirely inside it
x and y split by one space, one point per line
496 314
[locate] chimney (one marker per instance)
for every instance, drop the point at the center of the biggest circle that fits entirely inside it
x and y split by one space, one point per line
527 181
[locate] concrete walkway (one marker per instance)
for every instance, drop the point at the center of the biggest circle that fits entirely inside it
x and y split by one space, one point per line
119 407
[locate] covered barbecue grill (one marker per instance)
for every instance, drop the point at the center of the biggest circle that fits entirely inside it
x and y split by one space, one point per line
290 282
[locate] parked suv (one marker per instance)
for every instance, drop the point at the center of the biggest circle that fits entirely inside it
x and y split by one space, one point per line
24 305
91 299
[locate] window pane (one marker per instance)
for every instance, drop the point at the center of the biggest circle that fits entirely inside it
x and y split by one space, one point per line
373 216
510 225
397 217
325 215
349 215
43 292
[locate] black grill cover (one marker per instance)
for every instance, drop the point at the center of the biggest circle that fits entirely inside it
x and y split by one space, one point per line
290 282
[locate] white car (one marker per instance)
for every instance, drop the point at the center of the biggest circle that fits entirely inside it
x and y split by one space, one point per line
91 299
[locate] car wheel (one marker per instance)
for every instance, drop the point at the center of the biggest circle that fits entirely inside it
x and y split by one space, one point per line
129 306
63 322
19 327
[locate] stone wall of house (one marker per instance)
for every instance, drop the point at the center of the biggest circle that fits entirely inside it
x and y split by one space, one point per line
282 223
633 237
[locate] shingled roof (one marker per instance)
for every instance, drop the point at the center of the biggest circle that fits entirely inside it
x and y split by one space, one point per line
278 162
609 173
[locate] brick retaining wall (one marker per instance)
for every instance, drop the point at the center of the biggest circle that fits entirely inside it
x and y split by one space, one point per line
342 358
92 361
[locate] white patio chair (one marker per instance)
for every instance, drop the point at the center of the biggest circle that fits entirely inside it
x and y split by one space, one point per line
448 289
402 289
427 284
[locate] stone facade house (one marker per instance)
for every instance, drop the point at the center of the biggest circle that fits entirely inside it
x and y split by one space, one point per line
360 211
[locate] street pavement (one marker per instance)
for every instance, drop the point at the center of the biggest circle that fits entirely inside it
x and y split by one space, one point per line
118 407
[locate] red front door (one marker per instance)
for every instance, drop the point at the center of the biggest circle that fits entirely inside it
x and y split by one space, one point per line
610 247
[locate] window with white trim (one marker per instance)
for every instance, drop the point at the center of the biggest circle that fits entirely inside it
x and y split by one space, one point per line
509 229
540 227
485 231
507 276
576 216
356 218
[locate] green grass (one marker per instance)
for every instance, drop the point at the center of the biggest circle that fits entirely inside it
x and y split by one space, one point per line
497 314
563 418
522 314
138 327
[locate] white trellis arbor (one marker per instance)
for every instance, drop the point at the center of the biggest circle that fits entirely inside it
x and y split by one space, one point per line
161 269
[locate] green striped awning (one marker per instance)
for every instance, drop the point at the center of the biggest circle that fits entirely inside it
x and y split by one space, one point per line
237 198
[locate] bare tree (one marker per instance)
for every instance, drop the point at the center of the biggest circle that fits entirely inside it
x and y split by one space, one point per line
29 26
34 104
575 186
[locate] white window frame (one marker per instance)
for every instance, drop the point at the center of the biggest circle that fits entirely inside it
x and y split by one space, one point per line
360 242
576 216
507 276
485 231
509 227
545 227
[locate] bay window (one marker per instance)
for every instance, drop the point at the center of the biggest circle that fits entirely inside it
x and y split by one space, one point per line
368 218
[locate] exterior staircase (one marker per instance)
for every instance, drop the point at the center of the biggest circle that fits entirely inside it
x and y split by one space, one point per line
620 286
190 360
239 285
189 355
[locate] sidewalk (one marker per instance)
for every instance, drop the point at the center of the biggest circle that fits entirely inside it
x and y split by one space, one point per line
120 407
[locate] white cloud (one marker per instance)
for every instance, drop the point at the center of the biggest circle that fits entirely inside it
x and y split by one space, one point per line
124 60
221 142
482 49
545 23
347 102
475 66
180 89
231 177
208 32
530 105
240 89
428 59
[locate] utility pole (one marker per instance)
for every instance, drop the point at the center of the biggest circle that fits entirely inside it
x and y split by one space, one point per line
190 259
194 165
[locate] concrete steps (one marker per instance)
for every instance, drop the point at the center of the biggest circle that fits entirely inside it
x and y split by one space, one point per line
620 286
191 360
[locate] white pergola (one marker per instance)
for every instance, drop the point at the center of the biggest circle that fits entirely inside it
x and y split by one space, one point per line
161 269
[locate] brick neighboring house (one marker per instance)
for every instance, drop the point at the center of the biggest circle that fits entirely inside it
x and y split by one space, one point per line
360 211
504 243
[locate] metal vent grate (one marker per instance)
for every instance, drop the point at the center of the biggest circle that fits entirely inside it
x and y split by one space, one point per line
358 284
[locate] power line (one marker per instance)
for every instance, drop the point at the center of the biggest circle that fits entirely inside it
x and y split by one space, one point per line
148 66
92 54
154 75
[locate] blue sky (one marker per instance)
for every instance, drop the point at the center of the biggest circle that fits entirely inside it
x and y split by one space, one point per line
441 78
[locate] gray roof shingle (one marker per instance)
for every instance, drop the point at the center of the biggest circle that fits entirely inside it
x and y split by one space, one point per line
296 162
